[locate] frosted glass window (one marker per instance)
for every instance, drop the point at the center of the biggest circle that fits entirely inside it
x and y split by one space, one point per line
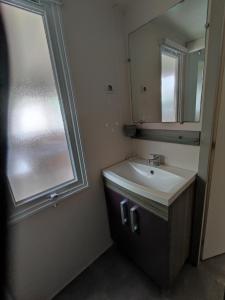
39 156
169 85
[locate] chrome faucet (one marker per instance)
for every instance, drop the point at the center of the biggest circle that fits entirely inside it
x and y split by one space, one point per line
154 160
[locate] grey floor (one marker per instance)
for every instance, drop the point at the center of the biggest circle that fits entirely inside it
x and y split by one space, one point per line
115 277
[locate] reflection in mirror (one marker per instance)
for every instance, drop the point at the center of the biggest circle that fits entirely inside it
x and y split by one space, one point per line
169 84
167 65
193 88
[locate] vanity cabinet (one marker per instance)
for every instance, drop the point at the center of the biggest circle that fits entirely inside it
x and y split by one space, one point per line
155 237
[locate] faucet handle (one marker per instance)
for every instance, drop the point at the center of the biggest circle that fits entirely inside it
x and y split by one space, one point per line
153 156
154 160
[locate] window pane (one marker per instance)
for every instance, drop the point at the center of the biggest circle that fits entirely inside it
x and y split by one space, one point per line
169 86
38 156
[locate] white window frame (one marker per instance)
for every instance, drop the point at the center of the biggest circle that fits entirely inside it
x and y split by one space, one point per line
50 12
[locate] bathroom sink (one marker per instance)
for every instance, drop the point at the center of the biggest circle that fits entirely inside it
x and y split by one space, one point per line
162 184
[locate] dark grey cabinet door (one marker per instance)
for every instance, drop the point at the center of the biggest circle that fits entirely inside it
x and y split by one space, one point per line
120 232
148 245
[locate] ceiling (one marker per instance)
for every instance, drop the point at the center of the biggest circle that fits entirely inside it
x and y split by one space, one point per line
123 3
189 17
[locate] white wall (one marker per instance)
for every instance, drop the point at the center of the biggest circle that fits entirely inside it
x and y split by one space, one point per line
214 240
196 45
181 156
52 247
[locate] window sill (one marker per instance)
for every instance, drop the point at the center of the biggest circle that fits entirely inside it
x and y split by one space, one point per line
18 216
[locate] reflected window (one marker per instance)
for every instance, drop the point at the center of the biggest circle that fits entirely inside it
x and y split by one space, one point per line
200 76
194 71
169 84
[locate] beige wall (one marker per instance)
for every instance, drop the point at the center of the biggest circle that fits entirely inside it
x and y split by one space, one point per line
50 248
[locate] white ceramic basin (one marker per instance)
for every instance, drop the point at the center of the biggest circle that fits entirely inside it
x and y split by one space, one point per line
162 184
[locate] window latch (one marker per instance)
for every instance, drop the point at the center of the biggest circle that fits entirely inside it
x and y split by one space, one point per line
53 196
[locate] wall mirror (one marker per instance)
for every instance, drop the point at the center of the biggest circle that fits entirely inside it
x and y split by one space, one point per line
167 65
